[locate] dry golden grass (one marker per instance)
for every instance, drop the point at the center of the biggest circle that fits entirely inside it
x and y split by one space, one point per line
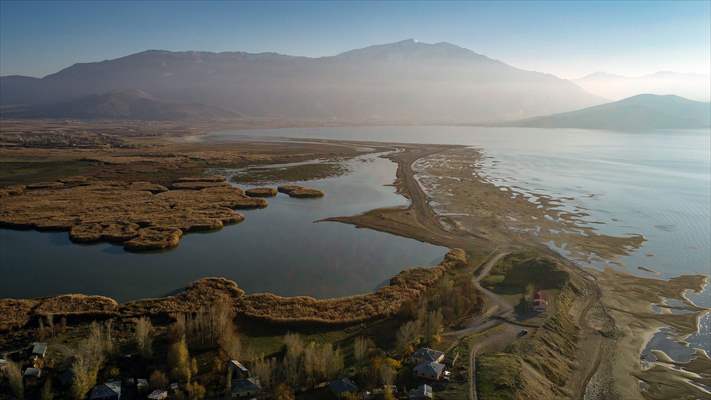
406 286
142 215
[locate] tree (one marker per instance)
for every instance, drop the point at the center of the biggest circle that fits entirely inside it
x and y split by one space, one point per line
194 366
14 378
195 391
387 374
85 372
406 335
264 370
360 348
293 363
144 338
433 325
179 361
158 380
90 357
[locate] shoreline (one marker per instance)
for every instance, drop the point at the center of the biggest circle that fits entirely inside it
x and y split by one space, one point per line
418 221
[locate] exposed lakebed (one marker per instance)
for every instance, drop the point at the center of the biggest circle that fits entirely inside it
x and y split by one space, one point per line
277 249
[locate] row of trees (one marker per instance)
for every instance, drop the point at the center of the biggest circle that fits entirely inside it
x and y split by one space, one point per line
89 358
303 364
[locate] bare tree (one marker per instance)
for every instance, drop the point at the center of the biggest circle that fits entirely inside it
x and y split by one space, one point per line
406 335
85 373
144 338
264 370
360 348
293 359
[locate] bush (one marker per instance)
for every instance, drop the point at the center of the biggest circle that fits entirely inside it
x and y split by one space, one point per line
158 380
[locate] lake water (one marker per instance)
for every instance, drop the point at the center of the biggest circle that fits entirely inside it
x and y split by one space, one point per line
657 184
277 249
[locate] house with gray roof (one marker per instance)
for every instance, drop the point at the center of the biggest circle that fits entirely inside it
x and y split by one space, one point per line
106 391
425 355
433 371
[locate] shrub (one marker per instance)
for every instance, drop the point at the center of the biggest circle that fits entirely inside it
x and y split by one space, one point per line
158 380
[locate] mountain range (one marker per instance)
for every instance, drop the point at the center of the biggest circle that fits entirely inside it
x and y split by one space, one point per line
119 104
406 81
641 112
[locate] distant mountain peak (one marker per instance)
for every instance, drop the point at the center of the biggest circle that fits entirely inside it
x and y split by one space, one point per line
405 81
640 112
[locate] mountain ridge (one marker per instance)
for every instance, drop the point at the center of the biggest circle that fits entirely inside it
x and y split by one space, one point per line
640 112
402 81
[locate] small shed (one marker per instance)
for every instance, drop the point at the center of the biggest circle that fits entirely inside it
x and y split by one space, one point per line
238 370
39 349
106 391
245 388
426 355
342 387
158 395
32 373
422 392
431 370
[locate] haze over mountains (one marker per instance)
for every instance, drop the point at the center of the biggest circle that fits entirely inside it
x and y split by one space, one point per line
405 81
641 112
120 104
616 87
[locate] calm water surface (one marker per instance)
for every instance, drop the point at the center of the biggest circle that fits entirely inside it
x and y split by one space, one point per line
278 249
657 184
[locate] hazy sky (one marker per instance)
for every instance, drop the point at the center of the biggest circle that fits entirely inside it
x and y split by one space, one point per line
568 39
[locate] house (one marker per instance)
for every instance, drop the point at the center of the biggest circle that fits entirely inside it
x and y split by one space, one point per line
426 355
106 391
423 392
238 370
245 388
539 302
429 370
158 395
39 349
32 373
342 387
